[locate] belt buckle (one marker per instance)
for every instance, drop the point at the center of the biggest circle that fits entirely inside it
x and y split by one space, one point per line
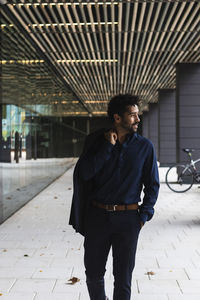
114 208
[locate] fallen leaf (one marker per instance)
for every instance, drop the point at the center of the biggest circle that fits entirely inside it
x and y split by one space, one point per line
41 271
26 255
1 294
73 280
4 250
150 273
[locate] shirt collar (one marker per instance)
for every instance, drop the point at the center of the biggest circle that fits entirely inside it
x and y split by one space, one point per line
129 138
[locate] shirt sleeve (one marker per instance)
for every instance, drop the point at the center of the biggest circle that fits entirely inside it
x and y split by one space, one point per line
151 186
95 159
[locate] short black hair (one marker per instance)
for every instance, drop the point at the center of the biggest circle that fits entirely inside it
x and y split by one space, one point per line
118 104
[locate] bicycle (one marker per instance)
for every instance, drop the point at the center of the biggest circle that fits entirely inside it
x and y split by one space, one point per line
181 177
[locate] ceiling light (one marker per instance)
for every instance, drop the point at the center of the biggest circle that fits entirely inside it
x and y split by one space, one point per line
74 24
93 101
75 113
23 61
52 3
85 60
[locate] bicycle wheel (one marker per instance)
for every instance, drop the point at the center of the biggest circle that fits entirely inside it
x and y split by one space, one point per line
179 178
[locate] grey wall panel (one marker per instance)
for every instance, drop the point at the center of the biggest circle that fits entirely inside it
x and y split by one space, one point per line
167 143
190 89
167 151
192 122
167 113
187 142
167 128
187 131
188 108
189 100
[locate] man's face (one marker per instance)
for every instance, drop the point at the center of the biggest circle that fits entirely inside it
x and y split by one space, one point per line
130 119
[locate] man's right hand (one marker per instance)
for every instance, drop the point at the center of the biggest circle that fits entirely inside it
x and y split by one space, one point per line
111 136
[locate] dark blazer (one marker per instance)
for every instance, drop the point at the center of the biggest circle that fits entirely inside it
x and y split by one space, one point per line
80 203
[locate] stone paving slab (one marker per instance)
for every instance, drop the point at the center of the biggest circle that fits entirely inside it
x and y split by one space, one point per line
190 286
56 273
39 252
193 273
167 274
16 272
18 296
33 285
184 297
158 286
60 296
6 284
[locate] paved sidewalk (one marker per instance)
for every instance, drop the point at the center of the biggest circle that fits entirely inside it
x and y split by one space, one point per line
39 252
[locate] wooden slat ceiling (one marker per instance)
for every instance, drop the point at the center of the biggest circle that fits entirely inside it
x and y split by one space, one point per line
101 48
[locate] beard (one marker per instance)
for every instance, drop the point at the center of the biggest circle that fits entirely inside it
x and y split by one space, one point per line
130 128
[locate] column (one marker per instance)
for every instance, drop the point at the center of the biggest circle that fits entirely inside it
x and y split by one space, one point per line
145 124
167 128
153 126
188 108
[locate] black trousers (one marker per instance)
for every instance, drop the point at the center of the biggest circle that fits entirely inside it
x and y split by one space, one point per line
119 230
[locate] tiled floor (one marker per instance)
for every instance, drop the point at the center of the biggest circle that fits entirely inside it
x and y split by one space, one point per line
39 252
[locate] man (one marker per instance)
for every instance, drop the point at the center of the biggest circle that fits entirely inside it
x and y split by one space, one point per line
108 179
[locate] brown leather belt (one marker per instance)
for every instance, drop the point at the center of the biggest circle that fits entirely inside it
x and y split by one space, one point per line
110 207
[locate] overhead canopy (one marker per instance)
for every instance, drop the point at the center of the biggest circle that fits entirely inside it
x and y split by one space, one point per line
83 52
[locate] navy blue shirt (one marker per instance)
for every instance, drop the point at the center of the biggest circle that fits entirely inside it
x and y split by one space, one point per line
120 171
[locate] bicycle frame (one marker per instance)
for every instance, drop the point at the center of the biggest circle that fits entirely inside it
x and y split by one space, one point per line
193 162
192 167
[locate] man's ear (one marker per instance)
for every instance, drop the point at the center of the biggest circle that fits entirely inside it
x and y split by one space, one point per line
117 118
